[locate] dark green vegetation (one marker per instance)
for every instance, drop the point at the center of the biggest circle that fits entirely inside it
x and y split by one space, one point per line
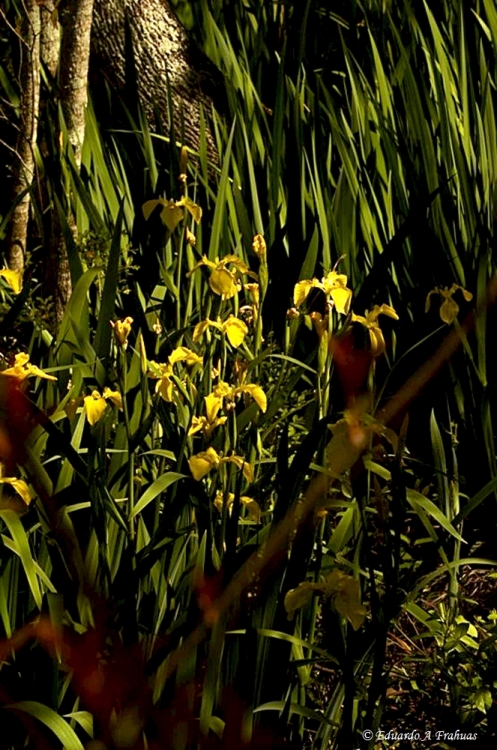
362 144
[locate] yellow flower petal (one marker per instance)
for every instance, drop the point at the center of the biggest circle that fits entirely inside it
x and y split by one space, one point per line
448 310
213 403
193 209
13 279
94 407
166 388
202 463
256 392
23 369
36 372
20 487
235 330
301 291
171 215
346 593
386 310
320 324
200 329
190 238
248 502
198 423
182 354
113 396
223 282
219 501
252 506
333 280
240 463
342 298
377 341
223 389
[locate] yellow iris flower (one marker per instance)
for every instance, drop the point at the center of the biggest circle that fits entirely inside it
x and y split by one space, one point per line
334 285
234 328
122 329
225 281
23 369
224 390
95 404
449 307
249 503
208 423
163 372
202 463
370 321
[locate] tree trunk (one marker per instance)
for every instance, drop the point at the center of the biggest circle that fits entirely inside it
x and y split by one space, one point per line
24 166
165 61
50 36
76 19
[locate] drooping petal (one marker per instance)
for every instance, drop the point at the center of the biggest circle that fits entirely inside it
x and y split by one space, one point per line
203 462
35 371
297 598
94 407
377 341
256 392
342 297
212 405
171 215
166 388
235 330
346 593
193 209
199 466
252 506
301 291
223 282
448 310
240 463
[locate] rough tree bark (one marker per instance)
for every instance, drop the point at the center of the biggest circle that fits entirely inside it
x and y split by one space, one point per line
24 165
76 20
165 60
50 36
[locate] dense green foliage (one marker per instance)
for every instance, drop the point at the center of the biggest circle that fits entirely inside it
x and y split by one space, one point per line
193 558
